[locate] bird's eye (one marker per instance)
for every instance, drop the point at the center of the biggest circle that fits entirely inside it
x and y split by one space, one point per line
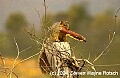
65 24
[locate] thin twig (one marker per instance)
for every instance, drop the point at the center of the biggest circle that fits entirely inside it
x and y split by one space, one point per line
3 63
107 47
26 49
113 35
45 6
2 40
18 53
109 65
115 19
27 58
37 12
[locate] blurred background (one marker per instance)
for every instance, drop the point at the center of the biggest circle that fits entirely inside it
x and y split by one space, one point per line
94 19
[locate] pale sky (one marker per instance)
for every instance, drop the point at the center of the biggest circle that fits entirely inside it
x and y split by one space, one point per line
27 7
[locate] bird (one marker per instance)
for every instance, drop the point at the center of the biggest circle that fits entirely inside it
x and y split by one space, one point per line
58 33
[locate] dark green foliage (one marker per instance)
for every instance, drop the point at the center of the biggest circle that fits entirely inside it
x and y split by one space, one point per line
16 25
15 22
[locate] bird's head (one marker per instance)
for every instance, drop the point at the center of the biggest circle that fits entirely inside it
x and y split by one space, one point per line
63 27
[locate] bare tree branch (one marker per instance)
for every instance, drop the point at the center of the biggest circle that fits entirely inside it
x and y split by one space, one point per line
113 36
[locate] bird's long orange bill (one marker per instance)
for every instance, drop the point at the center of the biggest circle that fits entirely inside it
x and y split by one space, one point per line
72 34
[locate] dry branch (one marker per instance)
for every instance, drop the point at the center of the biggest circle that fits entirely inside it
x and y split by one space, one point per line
112 39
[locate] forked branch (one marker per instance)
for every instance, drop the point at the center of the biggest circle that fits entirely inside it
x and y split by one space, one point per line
112 39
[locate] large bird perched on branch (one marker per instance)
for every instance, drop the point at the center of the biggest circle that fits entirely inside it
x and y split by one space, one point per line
58 33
